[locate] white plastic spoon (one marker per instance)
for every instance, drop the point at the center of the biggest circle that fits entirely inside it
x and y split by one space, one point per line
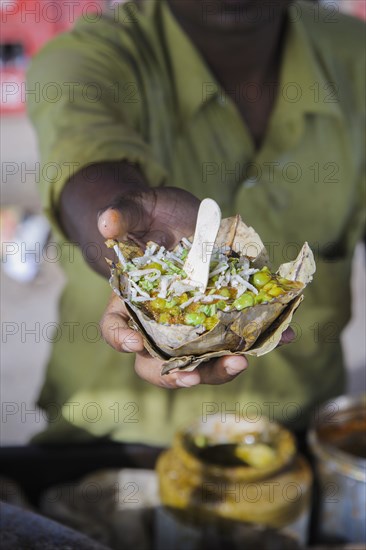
197 264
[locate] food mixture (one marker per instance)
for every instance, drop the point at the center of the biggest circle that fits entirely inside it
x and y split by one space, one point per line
156 283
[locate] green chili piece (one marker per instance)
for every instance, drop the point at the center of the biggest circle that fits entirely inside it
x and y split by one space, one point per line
194 319
261 278
245 300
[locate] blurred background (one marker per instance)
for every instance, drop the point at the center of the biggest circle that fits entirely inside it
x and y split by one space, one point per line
31 281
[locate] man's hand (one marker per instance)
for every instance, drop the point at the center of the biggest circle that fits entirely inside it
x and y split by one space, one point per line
127 207
121 337
163 215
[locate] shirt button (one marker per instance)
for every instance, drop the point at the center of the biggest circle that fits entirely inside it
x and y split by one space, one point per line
221 100
294 129
250 182
288 133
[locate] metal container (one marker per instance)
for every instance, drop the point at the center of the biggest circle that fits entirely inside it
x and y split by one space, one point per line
338 441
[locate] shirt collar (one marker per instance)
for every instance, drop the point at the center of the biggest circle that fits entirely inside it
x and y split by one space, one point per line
304 85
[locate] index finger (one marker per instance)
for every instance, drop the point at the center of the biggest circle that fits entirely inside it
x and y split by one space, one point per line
115 329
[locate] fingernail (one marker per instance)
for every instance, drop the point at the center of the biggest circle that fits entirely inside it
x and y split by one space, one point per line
188 380
234 366
131 343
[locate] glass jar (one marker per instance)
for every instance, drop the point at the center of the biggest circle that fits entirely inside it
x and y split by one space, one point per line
238 470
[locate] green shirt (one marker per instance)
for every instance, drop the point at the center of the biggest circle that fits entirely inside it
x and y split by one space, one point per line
134 87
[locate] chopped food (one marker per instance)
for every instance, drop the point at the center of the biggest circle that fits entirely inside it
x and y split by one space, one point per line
156 283
243 310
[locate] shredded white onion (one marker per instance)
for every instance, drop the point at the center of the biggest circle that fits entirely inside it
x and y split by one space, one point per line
175 258
139 290
120 256
248 272
237 280
160 252
244 262
187 303
164 283
151 249
146 273
179 287
219 270
212 297
141 261
186 242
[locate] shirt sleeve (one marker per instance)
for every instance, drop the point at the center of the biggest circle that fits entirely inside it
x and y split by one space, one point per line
85 102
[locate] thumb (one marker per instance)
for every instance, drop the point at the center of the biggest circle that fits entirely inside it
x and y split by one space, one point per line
118 222
112 224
